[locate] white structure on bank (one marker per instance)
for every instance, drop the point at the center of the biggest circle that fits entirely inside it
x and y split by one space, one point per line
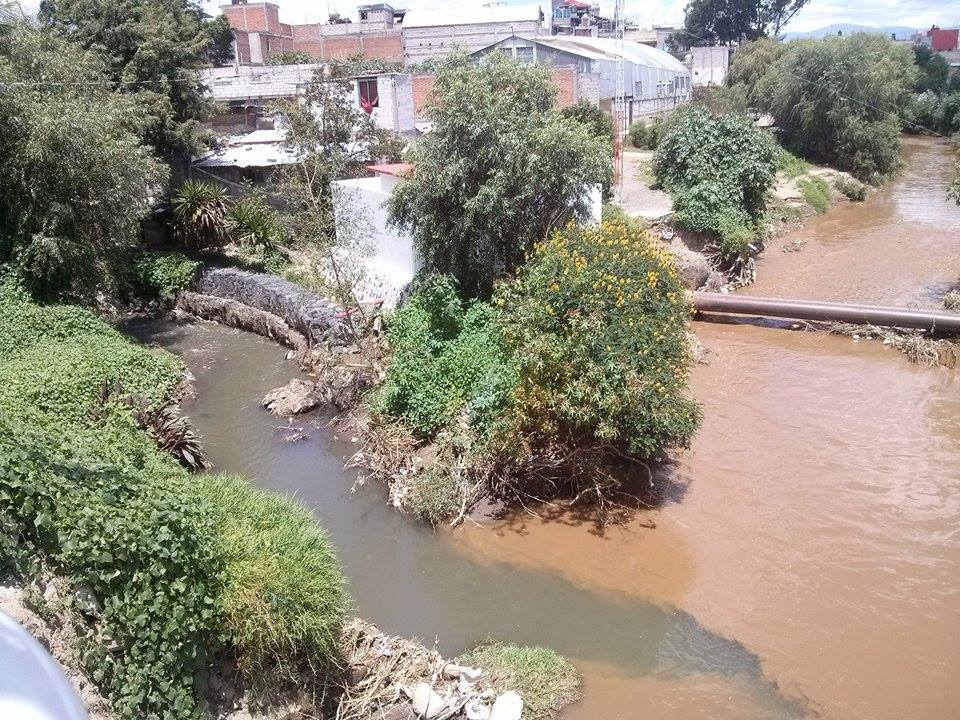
387 253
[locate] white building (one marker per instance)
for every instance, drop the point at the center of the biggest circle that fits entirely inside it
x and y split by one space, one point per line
655 81
435 33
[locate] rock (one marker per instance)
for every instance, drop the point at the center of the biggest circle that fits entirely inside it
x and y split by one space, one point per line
296 397
508 706
452 671
427 703
356 674
693 268
477 710
401 711
715 282
86 602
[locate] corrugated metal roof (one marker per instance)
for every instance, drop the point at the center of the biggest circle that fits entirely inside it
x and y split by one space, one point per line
456 14
595 48
261 148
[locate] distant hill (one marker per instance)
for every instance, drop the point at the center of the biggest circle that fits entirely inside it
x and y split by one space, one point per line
902 33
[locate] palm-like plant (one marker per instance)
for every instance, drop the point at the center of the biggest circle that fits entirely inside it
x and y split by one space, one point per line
252 222
200 214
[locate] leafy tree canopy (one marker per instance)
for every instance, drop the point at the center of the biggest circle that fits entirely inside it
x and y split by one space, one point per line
722 22
842 100
75 178
153 49
219 41
750 62
499 170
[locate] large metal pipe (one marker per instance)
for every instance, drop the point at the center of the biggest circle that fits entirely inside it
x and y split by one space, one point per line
827 311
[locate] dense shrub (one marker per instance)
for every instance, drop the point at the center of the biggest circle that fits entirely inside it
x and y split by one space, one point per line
593 327
442 352
592 117
252 223
646 135
718 168
163 274
842 101
790 165
180 566
200 214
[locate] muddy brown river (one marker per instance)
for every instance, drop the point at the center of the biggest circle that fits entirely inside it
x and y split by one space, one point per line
805 561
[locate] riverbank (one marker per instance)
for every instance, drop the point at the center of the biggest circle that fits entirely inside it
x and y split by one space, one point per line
248 594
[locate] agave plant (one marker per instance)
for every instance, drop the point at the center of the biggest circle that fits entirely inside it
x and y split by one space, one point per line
200 214
169 430
252 222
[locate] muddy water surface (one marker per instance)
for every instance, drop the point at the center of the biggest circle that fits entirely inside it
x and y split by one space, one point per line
806 563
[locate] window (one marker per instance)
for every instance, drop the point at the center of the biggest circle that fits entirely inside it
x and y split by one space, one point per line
367 91
525 54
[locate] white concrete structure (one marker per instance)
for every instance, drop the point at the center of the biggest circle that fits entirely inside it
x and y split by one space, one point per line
709 65
386 253
435 33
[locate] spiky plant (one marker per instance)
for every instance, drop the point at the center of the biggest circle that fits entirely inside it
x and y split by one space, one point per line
200 214
169 430
254 223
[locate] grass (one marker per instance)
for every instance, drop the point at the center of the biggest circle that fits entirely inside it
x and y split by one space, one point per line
284 599
852 188
816 193
545 680
183 566
951 301
790 165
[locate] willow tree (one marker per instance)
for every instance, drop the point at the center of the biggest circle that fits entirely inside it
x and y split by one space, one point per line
500 169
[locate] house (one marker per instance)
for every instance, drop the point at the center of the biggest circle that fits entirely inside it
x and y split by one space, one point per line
941 40
249 158
655 81
709 65
579 18
248 92
259 33
436 33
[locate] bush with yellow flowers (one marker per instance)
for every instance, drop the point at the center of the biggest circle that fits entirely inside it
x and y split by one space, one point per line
594 326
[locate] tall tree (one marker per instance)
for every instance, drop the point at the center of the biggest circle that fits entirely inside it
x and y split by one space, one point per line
723 22
219 40
75 179
154 49
497 173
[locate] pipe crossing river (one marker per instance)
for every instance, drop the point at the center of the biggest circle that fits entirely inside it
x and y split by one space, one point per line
827 311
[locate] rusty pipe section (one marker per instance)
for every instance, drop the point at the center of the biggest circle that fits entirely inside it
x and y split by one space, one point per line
827 312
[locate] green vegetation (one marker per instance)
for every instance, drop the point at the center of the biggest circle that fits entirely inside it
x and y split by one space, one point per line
750 63
934 73
579 362
545 680
442 351
591 116
489 182
289 57
841 101
200 214
718 168
816 193
181 566
644 135
74 178
154 49
725 22
253 223
790 165
163 275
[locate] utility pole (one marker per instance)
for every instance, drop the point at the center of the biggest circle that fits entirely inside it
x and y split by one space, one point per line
619 103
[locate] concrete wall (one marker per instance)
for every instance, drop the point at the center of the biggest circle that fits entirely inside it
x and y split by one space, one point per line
709 65
422 43
386 253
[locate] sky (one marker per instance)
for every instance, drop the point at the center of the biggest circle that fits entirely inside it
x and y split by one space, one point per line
817 13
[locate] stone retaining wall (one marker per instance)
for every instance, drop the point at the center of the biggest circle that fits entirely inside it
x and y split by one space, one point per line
306 312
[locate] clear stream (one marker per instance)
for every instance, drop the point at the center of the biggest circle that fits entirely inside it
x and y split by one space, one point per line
806 563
